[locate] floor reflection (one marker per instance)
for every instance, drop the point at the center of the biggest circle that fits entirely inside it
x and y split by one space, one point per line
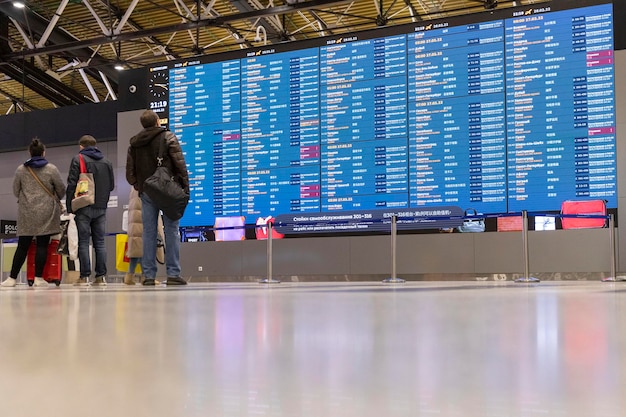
420 349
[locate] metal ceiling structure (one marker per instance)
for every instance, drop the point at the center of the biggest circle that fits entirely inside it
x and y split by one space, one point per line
60 53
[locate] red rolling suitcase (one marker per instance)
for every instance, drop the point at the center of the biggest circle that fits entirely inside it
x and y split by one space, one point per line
52 271
510 224
591 207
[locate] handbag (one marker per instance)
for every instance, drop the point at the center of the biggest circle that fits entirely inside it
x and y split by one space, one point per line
85 193
472 225
164 189
64 248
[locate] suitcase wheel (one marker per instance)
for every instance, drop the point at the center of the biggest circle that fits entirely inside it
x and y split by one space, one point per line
30 283
57 282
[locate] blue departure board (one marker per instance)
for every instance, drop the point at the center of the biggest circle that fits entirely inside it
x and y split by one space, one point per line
561 108
499 112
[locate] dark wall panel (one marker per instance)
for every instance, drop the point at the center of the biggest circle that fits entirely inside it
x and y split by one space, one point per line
62 126
12 131
619 17
133 90
103 121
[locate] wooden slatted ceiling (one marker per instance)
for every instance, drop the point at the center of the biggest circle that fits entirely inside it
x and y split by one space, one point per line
77 21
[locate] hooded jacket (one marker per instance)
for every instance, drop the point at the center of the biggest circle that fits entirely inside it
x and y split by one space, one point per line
141 160
103 178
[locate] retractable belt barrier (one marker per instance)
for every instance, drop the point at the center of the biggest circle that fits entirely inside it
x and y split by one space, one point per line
394 219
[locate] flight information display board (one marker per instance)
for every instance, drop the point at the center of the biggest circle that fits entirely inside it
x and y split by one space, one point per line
560 108
501 112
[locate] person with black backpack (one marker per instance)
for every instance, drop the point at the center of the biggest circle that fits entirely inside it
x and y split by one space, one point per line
141 162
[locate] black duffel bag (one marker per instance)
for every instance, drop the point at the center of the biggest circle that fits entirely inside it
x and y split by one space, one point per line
165 190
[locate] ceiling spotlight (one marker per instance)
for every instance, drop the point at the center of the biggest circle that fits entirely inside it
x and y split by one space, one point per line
119 66
19 4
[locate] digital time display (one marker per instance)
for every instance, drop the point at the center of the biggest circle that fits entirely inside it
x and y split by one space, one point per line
508 111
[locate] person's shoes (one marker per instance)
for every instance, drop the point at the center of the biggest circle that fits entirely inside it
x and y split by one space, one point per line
99 281
81 282
8 283
129 279
148 282
175 281
40 282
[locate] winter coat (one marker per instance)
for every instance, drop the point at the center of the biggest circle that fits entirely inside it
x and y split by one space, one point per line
135 229
102 171
141 160
135 226
38 212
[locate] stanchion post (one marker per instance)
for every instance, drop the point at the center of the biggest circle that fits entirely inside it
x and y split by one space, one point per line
526 277
394 231
613 275
269 279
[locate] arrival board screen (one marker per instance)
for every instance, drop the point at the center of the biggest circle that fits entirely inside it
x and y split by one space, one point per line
500 112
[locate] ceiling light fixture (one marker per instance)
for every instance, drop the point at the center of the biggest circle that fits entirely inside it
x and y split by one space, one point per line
19 4
119 66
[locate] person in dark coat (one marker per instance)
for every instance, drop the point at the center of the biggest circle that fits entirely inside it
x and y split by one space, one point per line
91 220
141 163
38 187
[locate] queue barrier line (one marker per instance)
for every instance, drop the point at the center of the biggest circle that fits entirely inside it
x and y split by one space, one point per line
270 260
613 276
526 278
394 279
269 279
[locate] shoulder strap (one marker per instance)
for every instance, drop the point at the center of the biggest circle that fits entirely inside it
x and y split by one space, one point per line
41 183
161 149
83 166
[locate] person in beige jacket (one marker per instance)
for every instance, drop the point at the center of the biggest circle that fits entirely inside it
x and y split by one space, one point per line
135 241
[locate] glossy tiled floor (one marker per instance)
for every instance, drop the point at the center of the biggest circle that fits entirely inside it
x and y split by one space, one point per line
320 350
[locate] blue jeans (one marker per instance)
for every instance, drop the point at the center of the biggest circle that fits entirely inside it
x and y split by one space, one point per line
91 223
132 264
150 215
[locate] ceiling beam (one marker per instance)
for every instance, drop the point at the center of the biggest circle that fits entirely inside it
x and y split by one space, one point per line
213 21
39 25
43 84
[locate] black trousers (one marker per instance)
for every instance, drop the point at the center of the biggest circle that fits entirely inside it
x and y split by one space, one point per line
41 254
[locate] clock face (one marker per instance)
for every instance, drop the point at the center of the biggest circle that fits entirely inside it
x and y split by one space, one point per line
159 84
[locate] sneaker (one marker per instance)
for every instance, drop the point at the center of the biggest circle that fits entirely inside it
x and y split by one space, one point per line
40 282
148 282
81 282
8 283
175 281
99 281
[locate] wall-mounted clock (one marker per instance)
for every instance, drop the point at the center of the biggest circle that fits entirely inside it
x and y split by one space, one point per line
158 84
